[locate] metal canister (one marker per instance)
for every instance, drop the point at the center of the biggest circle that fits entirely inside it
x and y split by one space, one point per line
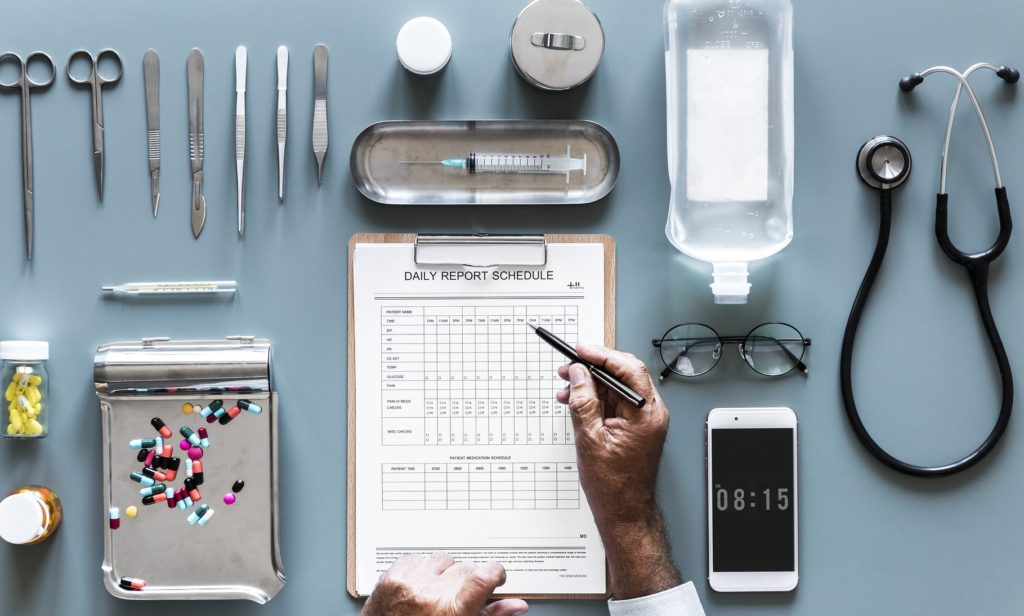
557 44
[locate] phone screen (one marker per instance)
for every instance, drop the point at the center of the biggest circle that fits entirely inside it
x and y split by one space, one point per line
752 499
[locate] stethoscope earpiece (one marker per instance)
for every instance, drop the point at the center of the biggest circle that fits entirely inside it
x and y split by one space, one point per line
884 162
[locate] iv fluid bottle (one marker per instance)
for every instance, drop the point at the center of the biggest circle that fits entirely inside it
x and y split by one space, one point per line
729 81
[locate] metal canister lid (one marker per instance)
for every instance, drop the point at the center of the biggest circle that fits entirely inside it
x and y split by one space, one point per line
557 44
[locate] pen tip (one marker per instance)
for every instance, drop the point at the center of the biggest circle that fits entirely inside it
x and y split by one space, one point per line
534 327
106 289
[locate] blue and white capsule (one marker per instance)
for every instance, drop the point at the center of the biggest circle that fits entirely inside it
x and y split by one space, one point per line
153 489
142 443
140 478
192 437
252 407
206 518
197 514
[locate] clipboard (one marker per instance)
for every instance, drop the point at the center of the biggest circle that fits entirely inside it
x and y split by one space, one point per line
474 250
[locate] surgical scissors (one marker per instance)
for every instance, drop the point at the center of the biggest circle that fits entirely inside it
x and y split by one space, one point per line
25 84
95 80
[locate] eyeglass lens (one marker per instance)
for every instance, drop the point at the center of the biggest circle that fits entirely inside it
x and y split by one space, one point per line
691 349
773 349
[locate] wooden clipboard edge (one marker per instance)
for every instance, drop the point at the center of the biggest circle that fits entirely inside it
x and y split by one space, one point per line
408 238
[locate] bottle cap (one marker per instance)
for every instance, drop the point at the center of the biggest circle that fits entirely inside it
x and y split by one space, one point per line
22 519
730 285
424 45
557 44
30 350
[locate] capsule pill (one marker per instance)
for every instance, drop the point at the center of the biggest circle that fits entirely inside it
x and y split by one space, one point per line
204 438
130 583
197 473
247 405
191 436
231 414
141 457
198 513
206 518
115 518
140 443
161 427
140 478
150 490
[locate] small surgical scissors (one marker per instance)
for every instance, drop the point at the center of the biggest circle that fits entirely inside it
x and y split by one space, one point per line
25 84
95 81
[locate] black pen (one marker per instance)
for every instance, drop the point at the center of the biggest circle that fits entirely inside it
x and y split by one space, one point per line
570 353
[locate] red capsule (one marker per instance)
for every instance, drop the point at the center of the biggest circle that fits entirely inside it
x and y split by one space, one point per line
195 495
171 502
130 583
150 457
168 451
115 523
203 433
171 474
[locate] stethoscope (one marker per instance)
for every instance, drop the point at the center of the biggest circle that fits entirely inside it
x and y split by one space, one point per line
884 163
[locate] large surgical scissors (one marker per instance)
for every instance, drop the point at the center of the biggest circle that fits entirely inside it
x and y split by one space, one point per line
25 84
95 80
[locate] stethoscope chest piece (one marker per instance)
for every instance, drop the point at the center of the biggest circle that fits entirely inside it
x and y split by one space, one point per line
884 162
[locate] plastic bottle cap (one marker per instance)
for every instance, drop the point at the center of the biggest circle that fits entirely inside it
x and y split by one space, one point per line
22 519
31 350
730 285
424 45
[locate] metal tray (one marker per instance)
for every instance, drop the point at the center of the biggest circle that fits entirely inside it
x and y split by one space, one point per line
380 174
236 555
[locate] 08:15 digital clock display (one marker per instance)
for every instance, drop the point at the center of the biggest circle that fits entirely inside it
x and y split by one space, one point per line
739 499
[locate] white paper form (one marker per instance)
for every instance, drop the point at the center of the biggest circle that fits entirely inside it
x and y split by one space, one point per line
460 444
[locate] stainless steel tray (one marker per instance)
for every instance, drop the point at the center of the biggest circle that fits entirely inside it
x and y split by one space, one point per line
236 555
380 156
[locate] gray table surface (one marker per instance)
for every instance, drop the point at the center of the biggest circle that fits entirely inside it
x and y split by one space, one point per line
871 541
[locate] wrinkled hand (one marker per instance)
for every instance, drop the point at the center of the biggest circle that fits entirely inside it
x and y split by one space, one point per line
439 586
618 454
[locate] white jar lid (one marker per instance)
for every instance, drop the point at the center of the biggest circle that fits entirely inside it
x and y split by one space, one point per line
31 350
22 519
424 45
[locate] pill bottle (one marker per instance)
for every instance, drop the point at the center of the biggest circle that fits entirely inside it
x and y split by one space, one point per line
29 515
26 384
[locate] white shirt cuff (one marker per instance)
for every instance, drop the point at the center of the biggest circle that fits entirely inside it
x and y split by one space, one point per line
679 601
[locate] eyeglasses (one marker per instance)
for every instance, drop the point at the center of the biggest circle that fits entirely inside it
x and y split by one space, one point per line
693 349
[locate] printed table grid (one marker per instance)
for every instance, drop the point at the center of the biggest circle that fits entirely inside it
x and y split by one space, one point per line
480 485
473 375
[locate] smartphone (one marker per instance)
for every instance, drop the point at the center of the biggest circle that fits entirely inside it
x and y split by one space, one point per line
752 499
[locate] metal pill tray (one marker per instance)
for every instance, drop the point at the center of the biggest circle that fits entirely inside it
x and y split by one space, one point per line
235 555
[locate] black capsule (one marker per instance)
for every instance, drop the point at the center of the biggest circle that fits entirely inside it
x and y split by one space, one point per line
148 500
197 478
174 464
160 462
237 487
148 472
190 484
225 419
157 423
142 455
216 404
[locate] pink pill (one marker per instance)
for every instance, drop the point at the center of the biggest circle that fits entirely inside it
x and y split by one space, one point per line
185 445
229 499
195 453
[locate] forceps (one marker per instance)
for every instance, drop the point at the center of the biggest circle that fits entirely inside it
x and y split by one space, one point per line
95 81
25 84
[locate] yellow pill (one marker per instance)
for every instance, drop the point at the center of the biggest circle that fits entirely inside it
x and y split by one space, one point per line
35 379
187 408
34 427
11 430
9 394
132 511
33 395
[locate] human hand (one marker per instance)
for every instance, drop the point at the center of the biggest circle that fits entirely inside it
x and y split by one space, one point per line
618 447
436 585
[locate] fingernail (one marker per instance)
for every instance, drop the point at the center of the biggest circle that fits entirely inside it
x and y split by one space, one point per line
577 374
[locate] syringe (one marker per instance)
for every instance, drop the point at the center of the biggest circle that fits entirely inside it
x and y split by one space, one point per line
513 163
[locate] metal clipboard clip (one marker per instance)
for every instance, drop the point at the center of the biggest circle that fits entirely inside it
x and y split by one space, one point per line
481 250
